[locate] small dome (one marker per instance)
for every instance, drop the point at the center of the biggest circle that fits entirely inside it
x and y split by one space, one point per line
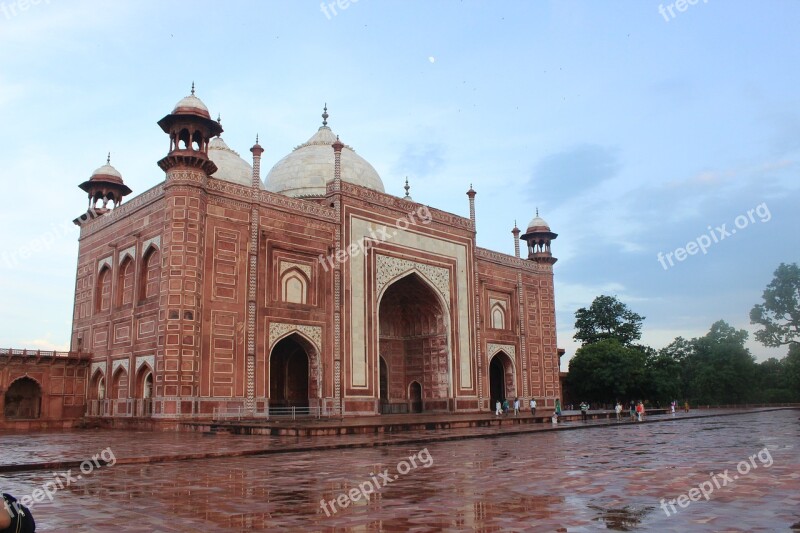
306 171
107 173
230 166
192 105
538 224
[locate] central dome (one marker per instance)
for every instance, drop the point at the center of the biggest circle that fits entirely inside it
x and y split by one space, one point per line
305 171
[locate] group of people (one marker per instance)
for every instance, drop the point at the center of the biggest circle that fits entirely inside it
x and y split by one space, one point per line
503 407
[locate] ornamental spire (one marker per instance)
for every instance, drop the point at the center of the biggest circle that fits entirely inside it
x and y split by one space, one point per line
325 115
192 88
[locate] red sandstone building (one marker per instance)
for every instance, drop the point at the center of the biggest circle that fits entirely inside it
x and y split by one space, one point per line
215 292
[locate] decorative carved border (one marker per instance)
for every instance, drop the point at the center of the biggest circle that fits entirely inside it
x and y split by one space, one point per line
279 329
124 363
307 207
142 359
129 252
389 268
378 197
511 261
101 365
492 348
104 261
286 265
155 240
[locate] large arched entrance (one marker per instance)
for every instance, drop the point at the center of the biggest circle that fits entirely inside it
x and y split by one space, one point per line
501 378
23 399
289 372
413 339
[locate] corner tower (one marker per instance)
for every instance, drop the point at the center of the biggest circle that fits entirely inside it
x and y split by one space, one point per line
187 166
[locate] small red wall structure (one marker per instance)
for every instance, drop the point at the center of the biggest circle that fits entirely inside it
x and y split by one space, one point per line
42 389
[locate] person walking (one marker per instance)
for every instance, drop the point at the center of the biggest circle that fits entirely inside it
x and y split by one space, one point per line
672 407
497 408
585 411
505 407
533 406
639 409
558 407
686 406
516 406
618 410
633 411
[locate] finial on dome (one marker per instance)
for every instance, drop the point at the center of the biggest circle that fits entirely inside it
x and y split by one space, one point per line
537 211
192 88
407 188
256 138
325 115
108 159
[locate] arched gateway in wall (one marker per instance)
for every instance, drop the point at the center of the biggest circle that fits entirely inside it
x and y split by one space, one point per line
414 330
294 372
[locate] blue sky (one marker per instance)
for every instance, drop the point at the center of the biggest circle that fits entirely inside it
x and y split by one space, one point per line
631 133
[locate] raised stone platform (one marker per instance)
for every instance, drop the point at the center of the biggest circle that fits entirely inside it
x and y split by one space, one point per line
312 427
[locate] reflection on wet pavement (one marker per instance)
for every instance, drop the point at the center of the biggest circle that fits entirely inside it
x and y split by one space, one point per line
600 478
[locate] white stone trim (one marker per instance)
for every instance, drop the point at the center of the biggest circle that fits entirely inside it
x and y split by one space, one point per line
129 252
146 244
101 365
142 359
105 261
278 330
124 363
492 349
286 265
390 268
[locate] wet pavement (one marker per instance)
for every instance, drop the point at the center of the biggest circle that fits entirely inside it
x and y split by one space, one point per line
604 477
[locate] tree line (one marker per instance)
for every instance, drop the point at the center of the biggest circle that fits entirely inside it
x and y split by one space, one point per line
717 368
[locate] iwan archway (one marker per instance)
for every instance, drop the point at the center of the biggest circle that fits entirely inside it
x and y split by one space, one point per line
414 343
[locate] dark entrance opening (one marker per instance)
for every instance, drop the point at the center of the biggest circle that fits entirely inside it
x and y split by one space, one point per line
415 395
23 399
384 382
289 374
497 381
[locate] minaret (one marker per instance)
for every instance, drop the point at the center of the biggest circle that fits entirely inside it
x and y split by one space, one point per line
106 186
515 232
538 236
187 168
471 193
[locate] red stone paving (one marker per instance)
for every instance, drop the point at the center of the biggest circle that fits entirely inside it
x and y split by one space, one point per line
602 477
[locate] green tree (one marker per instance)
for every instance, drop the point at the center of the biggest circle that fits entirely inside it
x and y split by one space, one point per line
721 369
663 373
606 371
780 312
607 318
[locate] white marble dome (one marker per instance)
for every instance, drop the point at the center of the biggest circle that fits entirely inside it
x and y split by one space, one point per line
191 104
230 166
107 170
538 224
305 171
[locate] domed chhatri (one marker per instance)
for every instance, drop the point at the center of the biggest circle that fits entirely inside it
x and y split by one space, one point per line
105 189
230 165
305 171
539 236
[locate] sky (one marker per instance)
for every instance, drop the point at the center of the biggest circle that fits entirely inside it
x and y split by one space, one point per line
636 129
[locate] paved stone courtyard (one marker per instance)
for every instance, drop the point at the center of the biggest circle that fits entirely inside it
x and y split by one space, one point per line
596 478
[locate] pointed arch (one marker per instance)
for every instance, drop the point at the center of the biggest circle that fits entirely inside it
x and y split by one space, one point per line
103 290
127 268
502 377
414 336
23 399
498 316
150 277
294 286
